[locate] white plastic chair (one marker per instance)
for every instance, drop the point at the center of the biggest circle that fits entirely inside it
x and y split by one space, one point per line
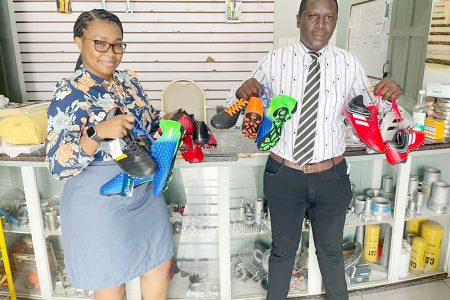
186 94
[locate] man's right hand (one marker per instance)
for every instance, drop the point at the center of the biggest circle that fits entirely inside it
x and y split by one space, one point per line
249 88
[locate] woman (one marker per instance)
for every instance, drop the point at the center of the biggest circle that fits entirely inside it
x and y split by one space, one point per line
107 240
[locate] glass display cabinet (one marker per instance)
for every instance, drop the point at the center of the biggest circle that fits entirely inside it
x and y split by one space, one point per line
221 225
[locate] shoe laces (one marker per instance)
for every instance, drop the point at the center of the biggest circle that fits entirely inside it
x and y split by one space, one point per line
236 107
132 146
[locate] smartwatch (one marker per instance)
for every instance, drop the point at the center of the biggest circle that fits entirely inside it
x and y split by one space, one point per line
92 134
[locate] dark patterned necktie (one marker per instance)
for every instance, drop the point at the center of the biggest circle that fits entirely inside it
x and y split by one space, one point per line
304 143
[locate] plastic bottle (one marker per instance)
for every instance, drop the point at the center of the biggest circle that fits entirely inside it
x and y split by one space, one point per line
419 112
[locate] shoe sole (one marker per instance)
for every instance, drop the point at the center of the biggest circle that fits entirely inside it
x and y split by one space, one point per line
251 125
271 138
164 151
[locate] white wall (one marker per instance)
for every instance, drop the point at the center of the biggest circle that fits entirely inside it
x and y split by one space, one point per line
285 26
435 75
167 40
342 25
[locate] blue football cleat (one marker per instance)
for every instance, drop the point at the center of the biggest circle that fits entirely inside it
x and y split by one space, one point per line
164 151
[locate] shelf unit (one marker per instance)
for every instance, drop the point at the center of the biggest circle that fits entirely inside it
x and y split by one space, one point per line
209 192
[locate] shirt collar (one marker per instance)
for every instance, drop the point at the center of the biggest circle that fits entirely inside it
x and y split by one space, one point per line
304 50
98 80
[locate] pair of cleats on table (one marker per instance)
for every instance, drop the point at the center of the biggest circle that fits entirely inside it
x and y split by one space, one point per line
264 126
365 122
197 136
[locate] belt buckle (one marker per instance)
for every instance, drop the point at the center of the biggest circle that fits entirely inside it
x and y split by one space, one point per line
308 168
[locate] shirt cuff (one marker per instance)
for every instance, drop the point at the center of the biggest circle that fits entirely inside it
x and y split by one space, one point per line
84 159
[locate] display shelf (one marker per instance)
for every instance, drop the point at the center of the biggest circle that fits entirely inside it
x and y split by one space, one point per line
253 290
427 213
209 281
11 228
58 293
196 237
235 235
48 232
378 275
354 220
209 192
418 276
179 287
22 288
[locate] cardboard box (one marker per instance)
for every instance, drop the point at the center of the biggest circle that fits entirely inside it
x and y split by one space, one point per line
441 90
434 128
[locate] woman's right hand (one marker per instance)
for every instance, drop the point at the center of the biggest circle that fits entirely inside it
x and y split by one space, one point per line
115 127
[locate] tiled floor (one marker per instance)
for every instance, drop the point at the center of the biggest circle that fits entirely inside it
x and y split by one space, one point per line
439 290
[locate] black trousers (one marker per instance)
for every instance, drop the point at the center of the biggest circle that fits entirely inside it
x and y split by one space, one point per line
326 196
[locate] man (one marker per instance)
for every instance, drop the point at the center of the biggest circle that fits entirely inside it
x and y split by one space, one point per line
306 170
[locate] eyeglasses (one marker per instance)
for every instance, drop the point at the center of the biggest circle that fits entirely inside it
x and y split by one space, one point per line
102 46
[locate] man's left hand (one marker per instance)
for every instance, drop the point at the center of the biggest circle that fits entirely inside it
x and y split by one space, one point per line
391 90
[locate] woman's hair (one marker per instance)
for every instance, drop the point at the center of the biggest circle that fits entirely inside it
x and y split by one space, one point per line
85 18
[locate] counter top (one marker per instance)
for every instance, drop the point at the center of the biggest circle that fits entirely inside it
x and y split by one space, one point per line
232 145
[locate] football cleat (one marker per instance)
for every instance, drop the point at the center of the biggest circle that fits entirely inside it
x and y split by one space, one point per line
279 111
252 118
132 156
191 152
364 120
185 119
122 185
201 133
404 141
228 117
212 142
164 150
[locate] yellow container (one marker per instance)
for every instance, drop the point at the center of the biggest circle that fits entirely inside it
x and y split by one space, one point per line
433 233
434 128
417 261
371 238
413 226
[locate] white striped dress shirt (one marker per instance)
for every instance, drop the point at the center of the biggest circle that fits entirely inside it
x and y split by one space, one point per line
342 77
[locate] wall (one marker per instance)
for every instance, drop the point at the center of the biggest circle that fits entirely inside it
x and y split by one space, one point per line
11 75
285 26
342 25
167 39
435 75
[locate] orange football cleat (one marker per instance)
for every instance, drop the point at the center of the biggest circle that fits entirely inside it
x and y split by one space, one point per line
252 118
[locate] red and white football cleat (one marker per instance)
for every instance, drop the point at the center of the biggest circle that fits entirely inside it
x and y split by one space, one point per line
405 141
416 139
364 120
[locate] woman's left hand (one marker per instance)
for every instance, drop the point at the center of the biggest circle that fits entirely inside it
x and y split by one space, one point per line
390 89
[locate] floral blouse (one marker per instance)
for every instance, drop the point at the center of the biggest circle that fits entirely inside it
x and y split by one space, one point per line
84 100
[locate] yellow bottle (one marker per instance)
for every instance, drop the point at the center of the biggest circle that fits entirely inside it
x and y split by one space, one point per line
371 237
432 232
417 261
413 226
